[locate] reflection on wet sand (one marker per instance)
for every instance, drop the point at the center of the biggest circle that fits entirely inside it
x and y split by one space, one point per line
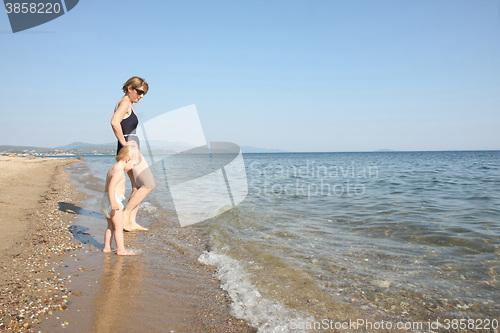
117 290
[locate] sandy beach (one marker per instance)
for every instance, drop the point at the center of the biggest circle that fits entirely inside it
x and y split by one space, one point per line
35 236
55 277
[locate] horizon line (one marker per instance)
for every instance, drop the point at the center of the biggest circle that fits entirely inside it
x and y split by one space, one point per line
280 151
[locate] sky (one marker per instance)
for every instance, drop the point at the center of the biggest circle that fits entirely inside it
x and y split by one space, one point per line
294 75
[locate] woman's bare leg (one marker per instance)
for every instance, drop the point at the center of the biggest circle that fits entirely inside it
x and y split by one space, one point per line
127 224
133 217
142 184
130 211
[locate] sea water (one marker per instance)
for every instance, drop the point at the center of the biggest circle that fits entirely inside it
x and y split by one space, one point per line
327 238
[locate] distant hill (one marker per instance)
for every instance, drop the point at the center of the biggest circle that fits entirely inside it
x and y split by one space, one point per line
23 149
76 148
75 145
84 148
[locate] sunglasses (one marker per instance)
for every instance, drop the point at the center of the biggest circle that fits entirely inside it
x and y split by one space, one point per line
139 91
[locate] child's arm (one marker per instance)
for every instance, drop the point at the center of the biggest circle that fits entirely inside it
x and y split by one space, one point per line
111 190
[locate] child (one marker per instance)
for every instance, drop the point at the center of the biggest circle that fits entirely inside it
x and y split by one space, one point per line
114 194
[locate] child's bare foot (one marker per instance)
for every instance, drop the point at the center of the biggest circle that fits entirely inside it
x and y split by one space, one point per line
107 251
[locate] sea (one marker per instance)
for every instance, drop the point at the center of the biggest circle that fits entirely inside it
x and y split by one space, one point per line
345 241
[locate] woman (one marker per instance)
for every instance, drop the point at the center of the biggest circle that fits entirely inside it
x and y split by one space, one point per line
124 124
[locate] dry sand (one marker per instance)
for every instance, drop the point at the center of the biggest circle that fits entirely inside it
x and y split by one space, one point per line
34 237
24 183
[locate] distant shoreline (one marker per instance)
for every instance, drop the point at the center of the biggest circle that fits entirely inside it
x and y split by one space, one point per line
107 150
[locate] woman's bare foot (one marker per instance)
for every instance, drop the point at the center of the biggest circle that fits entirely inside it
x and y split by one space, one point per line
136 226
133 221
107 251
127 225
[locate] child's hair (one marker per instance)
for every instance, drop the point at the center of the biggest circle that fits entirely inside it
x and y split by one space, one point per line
129 151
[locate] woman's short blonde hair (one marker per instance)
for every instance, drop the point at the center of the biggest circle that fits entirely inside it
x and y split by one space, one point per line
135 82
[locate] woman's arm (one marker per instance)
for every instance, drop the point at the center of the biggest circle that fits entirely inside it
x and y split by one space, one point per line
121 110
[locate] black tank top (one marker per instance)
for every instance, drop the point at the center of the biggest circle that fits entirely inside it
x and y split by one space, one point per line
129 127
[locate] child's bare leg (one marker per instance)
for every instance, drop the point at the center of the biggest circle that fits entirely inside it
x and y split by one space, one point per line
108 236
117 219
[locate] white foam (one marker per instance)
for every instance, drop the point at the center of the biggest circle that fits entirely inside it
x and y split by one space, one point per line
248 304
148 207
134 252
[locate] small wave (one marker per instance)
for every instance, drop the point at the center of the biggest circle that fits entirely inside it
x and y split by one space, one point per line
248 304
148 207
134 251
484 198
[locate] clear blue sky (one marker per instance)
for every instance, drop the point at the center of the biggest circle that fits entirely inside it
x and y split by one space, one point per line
319 75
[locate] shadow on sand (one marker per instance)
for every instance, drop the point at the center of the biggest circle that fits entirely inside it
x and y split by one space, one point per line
80 232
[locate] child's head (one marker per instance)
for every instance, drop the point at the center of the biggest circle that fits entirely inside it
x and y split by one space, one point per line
130 155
